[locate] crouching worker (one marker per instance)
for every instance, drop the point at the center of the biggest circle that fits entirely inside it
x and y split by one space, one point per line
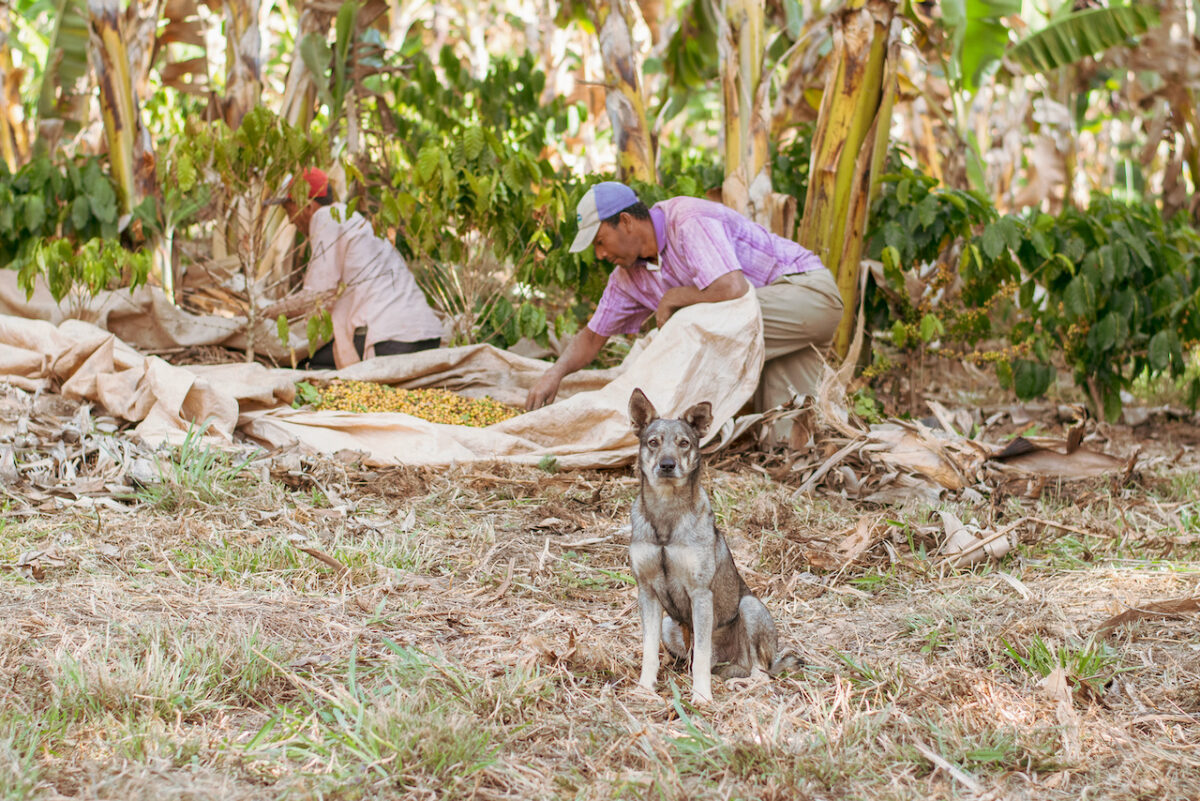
380 310
684 251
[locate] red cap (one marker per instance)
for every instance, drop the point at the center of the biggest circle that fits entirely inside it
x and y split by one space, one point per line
318 181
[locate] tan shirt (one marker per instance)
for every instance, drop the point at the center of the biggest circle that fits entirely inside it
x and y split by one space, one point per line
381 293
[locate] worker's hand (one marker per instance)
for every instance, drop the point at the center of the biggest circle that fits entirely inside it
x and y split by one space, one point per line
543 391
665 309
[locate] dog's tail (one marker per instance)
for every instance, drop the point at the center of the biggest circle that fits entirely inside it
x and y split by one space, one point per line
785 661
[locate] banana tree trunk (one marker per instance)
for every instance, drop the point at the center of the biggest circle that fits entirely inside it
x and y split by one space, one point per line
741 48
626 106
850 144
130 152
63 99
14 140
300 93
243 60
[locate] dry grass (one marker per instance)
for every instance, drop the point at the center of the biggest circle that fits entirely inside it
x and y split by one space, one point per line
482 643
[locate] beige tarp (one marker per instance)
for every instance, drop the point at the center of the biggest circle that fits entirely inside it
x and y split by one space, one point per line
143 319
708 352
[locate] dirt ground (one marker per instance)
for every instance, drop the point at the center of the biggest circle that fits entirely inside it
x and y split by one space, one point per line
312 629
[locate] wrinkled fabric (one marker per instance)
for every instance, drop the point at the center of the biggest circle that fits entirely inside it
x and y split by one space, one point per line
714 354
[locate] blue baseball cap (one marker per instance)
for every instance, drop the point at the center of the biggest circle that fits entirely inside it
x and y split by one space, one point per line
601 202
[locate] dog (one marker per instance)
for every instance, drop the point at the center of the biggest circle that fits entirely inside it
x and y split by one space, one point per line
683 565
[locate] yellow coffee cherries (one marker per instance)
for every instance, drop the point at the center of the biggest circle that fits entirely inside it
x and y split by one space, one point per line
434 405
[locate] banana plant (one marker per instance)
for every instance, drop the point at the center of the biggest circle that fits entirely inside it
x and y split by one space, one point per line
613 22
243 60
130 150
62 106
14 139
850 144
1077 35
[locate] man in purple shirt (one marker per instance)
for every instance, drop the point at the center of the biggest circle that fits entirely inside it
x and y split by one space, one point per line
685 251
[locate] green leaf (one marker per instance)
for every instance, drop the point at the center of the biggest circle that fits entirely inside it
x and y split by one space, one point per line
899 334
1103 335
1072 38
428 161
35 213
316 55
1079 299
1031 379
281 329
81 212
992 241
473 141
1004 372
1112 403
185 173
1160 351
931 327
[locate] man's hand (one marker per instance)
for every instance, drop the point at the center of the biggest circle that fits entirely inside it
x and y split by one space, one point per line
583 348
665 309
543 391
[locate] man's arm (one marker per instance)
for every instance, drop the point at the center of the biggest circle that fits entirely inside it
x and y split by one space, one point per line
583 349
729 286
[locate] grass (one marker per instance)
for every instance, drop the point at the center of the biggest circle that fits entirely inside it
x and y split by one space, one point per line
194 474
1091 664
472 654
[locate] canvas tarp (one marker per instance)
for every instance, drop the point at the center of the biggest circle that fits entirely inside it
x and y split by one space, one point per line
708 352
144 319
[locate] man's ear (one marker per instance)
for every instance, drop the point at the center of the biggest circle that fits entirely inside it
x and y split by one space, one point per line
699 417
641 411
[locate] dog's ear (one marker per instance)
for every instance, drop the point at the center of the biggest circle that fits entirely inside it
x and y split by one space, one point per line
641 411
699 417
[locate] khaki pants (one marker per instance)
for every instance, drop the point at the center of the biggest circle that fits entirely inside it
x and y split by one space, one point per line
800 314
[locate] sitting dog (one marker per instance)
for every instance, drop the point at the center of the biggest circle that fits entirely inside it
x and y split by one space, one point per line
683 565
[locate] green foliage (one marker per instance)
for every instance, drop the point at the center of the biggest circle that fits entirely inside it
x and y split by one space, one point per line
1083 33
257 156
306 395
790 163
43 200
1113 291
1122 295
947 263
95 265
977 37
467 183
319 329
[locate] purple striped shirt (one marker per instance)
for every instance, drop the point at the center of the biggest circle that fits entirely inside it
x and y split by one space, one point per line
698 242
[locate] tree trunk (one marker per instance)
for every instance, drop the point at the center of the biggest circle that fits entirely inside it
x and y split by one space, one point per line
130 152
14 139
243 60
747 117
850 145
626 106
300 94
64 95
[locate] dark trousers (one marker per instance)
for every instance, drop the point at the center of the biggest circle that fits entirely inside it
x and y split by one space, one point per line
323 358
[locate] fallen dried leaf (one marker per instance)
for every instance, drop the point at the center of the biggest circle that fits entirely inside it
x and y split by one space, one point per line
1175 608
321 556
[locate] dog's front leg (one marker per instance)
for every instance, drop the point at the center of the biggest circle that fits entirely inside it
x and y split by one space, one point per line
702 638
651 613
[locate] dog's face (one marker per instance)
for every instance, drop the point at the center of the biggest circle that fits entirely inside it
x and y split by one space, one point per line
669 450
